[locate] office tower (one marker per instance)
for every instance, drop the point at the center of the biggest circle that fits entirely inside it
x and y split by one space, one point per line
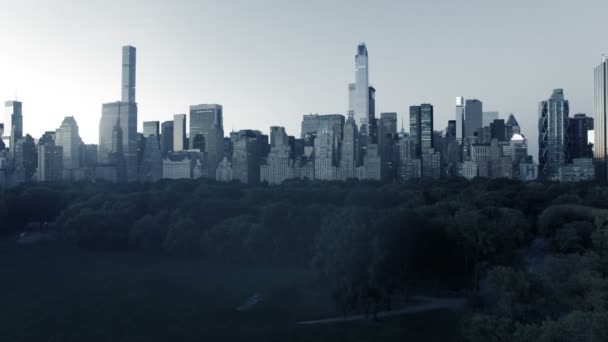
128 74
13 123
125 112
498 130
50 159
421 130
359 91
166 142
488 118
350 150
179 133
387 131
325 151
68 139
415 131
459 118
409 168
426 129
25 159
207 119
512 126
600 114
473 117
578 137
372 123
552 137
116 156
151 128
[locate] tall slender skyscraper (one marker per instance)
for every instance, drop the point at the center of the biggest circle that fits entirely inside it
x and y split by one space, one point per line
426 129
179 133
414 138
125 112
359 91
600 113
459 118
552 137
128 74
13 123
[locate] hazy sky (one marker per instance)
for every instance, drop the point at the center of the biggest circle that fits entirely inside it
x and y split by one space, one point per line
269 61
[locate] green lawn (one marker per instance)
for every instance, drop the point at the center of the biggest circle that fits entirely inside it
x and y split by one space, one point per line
62 294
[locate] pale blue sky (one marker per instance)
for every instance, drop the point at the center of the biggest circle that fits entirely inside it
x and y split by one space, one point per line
269 61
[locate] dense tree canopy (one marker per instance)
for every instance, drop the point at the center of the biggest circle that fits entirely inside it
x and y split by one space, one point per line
368 241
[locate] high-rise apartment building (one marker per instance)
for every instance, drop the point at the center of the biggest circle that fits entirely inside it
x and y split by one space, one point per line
359 91
50 159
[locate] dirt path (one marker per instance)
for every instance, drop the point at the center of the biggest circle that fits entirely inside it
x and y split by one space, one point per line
430 305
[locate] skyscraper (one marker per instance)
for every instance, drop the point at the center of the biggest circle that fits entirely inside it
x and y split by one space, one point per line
459 118
13 123
473 117
151 128
128 74
426 129
166 143
179 133
207 119
600 114
421 130
414 137
25 159
350 150
124 112
578 137
68 139
359 91
50 159
552 137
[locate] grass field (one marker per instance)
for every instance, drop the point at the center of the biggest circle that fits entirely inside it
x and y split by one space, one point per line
61 294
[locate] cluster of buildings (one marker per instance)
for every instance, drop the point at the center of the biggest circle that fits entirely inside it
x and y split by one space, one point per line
360 145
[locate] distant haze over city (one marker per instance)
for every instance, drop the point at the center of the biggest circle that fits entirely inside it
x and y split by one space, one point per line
270 62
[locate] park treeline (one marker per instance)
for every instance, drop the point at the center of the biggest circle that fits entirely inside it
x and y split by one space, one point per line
532 257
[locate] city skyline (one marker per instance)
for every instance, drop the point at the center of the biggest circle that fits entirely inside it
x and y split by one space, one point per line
402 71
